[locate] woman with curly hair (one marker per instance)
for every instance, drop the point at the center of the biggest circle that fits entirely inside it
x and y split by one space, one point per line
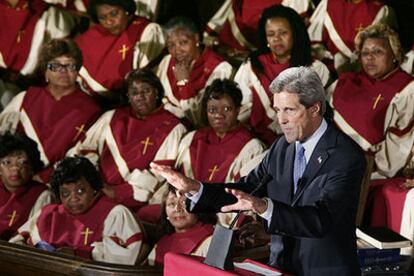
85 222
20 196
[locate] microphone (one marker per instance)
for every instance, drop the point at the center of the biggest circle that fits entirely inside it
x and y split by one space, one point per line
266 178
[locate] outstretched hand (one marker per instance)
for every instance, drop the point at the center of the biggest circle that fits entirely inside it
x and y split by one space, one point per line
245 202
178 180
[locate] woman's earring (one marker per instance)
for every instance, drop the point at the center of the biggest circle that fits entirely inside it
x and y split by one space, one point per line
168 218
198 44
268 45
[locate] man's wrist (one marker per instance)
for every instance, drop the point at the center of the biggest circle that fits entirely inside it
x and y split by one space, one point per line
261 206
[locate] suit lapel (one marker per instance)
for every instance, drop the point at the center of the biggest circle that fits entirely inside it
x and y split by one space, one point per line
317 160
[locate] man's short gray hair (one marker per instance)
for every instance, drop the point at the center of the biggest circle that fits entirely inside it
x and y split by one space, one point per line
303 81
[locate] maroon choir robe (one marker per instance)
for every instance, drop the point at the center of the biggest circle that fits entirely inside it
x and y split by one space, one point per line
357 96
61 229
208 167
348 19
184 243
138 141
17 29
109 63
15 207
58 124
258 118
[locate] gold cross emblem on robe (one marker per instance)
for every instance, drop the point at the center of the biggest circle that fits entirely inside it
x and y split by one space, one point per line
79 131
12 217
146 143
123 51
212 172
86 233
377 100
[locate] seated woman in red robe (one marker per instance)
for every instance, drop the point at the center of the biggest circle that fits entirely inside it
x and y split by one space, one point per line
234 26
283 43
184 232
222 151
188 69
335 24
118 43
124 141
375 108
20 196
57 115
25 25
85 223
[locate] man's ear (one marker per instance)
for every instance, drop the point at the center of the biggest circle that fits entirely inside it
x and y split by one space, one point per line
315 109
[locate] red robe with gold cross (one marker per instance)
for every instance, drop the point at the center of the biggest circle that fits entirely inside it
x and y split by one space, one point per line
15 207
108 58
124 146
105 232
56 126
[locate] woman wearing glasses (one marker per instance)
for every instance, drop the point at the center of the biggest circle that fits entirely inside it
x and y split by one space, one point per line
125 140
375 108
56 115
20 196
221 151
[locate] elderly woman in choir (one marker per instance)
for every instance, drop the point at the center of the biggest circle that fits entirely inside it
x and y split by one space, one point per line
375 108
20 196
25 25
124 141
283 43
57 114
184 232
118 43
188 69
85 222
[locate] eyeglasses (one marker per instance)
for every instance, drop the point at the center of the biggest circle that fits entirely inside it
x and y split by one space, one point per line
215 111
58 67
20 163
375 53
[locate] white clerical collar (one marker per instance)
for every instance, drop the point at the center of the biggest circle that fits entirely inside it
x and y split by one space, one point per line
311 142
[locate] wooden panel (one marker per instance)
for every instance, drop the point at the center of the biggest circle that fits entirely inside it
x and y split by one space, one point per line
22 260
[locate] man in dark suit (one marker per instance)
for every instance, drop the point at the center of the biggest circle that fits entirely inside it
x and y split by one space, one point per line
311 201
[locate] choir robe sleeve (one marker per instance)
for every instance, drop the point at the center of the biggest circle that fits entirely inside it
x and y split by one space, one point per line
44 198
54 23
315 31
167 151
216 23
149 46
250 151
246 82
121 238
10 116
94 139
395 152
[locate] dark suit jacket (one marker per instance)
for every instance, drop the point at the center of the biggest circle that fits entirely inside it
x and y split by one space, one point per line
313 231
